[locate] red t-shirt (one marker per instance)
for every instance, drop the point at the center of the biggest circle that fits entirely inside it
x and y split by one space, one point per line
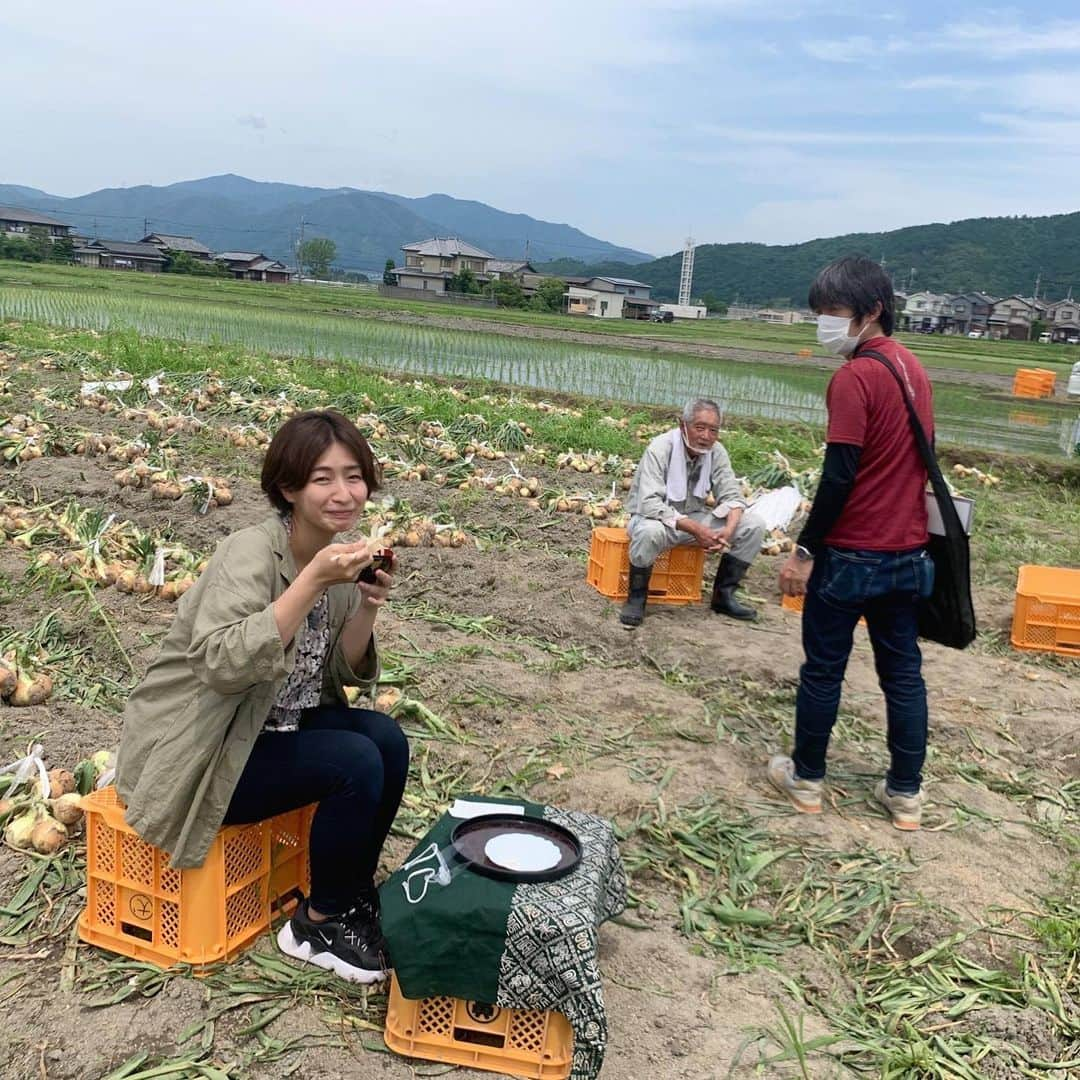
886 510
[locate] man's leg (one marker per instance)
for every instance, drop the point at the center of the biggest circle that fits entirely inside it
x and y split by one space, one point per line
648 540
833 606
745 545
893 624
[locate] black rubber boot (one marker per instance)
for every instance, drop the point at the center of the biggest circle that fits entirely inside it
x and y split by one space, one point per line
634 609
728 576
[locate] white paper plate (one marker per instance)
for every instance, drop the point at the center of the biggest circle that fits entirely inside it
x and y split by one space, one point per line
522 852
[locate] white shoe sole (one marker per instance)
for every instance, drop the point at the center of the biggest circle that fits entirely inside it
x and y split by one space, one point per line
778 777
302 950
904 820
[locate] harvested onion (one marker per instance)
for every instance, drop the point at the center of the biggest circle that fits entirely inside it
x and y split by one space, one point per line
32 691
48 835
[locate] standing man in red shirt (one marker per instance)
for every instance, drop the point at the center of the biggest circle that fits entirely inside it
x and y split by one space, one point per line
862 551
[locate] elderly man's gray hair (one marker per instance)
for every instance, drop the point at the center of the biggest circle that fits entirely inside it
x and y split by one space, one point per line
692 408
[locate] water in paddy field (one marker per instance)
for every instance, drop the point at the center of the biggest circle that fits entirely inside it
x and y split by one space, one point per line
965 416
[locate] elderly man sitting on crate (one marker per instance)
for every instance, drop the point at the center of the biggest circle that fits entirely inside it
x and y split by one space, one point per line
685 492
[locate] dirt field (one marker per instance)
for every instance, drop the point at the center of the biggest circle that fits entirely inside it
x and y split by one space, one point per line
665 731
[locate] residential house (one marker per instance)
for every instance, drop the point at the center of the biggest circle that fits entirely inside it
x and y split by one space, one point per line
609 298
430 264
255 266
509 269
120 255
1064 319
969 311
514 270
187 244
925 311
1011 317
16 222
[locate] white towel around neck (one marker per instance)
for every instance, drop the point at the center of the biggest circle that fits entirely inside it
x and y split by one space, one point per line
676 473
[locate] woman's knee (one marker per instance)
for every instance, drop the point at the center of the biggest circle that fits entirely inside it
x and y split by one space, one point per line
385 732
358 762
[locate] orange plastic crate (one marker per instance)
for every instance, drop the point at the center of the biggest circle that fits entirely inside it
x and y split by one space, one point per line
1047 613
137 905
676 575
1034 383
520 1042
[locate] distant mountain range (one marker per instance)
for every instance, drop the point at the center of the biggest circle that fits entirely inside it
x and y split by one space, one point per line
999 256
233 213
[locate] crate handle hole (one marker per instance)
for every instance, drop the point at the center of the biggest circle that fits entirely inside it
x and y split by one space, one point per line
483 1038
294 895
140 932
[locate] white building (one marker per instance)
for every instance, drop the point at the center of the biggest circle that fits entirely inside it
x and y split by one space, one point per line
685 311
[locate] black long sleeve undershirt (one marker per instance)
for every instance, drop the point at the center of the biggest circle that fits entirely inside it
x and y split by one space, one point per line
837 480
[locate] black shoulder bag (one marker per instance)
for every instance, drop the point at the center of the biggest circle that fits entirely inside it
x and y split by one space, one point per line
948 615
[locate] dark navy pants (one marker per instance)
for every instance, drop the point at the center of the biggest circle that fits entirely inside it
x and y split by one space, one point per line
885 588
353 763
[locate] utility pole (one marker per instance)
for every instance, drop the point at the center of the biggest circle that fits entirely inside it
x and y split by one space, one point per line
146 226
299 247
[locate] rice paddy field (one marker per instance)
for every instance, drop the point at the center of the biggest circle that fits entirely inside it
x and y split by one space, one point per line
758 943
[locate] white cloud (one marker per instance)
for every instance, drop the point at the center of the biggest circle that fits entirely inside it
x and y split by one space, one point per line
854 49
1046 92
1002 41
886 137
947 82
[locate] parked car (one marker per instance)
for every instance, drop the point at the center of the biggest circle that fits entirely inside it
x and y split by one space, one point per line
662 316
976 333
1044 338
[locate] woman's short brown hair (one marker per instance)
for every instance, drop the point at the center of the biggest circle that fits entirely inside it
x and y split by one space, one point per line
298 445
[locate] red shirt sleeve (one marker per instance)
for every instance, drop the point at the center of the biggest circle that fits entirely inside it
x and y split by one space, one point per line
848 406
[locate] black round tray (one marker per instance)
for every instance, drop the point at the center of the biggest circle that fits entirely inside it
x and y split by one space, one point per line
469 837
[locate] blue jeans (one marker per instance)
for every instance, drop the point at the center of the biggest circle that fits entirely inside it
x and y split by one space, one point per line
885 587
353 763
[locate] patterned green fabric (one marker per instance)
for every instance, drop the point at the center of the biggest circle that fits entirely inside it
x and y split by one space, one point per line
527 946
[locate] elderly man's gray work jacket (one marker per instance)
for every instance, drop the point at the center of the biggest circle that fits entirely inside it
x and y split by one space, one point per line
648 493
189 726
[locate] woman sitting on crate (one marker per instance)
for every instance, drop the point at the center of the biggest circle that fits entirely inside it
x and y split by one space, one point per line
243 715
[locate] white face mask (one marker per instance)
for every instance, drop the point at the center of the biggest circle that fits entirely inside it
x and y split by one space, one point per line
832 333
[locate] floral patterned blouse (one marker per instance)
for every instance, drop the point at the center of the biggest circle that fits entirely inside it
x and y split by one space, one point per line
303 687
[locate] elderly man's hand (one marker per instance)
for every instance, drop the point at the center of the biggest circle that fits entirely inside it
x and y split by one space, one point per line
713 540
794 575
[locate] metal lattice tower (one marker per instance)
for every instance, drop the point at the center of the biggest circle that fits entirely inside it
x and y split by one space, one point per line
686 278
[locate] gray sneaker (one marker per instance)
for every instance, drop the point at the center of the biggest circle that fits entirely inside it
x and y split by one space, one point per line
905 810
805 795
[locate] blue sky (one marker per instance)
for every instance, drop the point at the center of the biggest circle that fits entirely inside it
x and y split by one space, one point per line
637 121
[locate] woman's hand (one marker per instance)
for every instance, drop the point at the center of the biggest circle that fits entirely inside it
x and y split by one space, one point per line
338 564
376 595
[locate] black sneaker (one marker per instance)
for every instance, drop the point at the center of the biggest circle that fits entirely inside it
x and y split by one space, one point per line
353 949
366 905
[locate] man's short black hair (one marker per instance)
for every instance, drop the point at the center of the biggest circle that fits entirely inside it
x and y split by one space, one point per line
855 282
